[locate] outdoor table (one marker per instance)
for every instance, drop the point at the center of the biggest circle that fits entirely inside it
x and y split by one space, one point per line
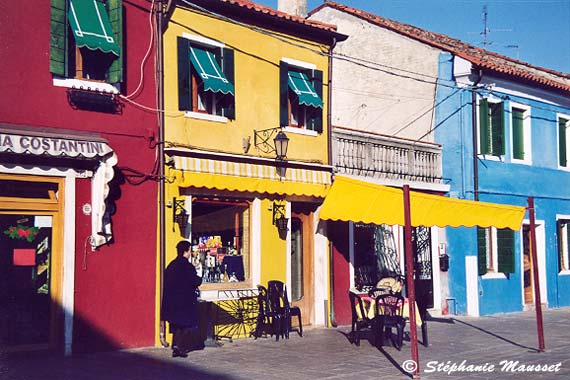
370 308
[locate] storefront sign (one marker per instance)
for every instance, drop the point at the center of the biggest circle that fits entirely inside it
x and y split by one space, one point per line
53 146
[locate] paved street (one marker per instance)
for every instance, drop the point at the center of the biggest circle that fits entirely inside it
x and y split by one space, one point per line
327 354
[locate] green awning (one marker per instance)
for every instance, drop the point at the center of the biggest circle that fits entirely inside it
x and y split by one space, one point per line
204 62
91 27
301 85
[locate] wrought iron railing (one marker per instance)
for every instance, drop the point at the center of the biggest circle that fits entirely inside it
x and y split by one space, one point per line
379 156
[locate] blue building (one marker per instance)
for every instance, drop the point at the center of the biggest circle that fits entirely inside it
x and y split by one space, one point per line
504 126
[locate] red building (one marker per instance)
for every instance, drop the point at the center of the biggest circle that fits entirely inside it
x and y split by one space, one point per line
78 187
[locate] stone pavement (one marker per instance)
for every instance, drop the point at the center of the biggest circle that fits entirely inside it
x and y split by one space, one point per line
326 353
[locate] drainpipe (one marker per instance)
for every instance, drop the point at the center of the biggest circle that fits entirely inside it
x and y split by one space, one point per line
474 131
161 186
330 161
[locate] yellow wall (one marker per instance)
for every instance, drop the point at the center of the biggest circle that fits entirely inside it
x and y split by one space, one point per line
273 249
257 58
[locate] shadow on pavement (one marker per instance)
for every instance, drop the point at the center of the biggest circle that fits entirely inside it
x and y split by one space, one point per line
532 349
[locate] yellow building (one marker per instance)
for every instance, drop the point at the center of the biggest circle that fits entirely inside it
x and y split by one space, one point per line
238 75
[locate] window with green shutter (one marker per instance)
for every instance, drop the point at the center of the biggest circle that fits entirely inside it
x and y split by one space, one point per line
495 250
86 40
491 128
205 78
300 97
518 134
562 143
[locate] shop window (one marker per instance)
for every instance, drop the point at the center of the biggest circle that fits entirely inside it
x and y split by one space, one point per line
86 40
495 250
221 240
301 97
205 77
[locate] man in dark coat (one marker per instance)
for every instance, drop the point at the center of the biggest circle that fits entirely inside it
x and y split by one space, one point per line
180 301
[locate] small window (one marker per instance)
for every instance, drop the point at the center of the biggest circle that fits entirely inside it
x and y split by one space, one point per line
495 249
491 128
301 97
205 78
563 142
86 40
520 134
563 244
221 241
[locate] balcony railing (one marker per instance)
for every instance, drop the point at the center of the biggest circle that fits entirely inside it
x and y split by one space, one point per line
385 157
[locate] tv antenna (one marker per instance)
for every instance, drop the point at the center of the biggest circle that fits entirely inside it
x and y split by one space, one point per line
487 29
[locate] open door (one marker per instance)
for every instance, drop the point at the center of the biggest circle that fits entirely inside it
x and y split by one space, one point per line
302 265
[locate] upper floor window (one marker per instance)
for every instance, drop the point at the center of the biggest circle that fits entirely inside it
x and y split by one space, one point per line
495 250
301 92
205 78
86 40
563 232
491 128
520 134
563 143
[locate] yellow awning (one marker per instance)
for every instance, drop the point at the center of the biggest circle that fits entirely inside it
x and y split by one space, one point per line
358 201
253 178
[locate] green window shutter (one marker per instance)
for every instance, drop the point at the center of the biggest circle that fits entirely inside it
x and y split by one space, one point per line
562 143
315 121
58 62
184 75
497 129
506 250
484 133
560 240
482 250
283 94
518 134
115 11
227 64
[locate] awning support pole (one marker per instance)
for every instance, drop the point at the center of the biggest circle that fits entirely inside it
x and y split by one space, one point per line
535 279
411 293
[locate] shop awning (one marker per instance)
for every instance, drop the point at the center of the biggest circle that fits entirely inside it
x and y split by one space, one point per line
301 85
253 178
204 62
359 201
91 27
46 143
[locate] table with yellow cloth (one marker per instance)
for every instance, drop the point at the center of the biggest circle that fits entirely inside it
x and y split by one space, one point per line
370 310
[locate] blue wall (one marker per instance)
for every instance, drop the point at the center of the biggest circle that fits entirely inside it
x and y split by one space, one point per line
501 182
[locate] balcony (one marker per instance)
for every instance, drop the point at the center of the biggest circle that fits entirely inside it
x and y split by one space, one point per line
384 157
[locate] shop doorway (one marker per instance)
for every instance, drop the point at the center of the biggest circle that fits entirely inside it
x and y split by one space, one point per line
423 267
29 284
302 265
527 267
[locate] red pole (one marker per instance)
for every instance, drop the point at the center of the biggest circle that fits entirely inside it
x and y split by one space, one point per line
534 267
410 280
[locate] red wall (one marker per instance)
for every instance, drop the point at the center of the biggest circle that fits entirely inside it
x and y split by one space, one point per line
338 233
115 302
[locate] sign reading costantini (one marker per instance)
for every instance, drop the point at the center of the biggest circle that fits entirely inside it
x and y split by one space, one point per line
53 146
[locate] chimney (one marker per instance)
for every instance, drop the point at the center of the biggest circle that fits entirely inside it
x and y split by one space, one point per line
293 7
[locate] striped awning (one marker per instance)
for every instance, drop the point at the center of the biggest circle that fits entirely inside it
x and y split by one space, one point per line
249 177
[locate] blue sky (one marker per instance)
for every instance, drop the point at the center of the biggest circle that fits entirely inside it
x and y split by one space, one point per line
534 31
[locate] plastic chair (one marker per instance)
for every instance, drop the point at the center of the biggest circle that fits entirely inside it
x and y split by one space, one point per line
360 320
266 316
388 315
277 295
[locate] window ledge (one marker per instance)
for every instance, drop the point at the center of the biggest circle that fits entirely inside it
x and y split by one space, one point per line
85 85
521 162
490 157
565 272
205 116
300 131
494 276
564 168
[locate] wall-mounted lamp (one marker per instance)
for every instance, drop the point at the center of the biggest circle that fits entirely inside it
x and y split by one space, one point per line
279 218
179 214
261 140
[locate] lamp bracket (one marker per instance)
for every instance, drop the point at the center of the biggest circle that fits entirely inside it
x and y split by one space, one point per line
278 211
262 139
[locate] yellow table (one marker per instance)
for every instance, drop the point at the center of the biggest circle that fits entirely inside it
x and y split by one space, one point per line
370 309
